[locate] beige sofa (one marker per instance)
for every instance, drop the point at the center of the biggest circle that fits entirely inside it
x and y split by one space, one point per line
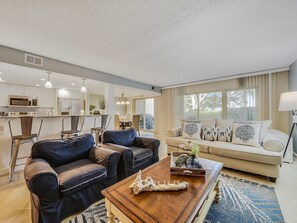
265 160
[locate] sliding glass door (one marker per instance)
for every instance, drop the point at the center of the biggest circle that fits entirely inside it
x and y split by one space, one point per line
145 108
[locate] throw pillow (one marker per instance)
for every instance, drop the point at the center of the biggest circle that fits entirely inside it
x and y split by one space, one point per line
192 130
264 126
224 123
224 134
208 123
182 123
246 134
210 134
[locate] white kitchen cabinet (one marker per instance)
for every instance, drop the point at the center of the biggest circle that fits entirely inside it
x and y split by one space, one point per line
3 94
31 92
46 97
16 89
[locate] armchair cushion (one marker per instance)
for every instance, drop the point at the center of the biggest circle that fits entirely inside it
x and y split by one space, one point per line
79 174
58 152
120 137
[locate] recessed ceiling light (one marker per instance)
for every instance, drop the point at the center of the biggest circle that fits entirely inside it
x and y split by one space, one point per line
42 79
73 84
37 85
1 80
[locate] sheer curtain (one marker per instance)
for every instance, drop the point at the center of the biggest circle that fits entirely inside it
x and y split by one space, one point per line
268 90
169 108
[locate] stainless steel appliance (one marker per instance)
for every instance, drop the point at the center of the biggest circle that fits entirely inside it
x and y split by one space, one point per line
18 100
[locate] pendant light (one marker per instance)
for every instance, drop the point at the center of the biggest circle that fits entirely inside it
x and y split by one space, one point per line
122 100
48 83
83 88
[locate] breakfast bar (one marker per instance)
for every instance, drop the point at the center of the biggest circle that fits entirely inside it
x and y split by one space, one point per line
51 129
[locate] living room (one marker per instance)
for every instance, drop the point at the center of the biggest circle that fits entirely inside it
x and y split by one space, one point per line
220 74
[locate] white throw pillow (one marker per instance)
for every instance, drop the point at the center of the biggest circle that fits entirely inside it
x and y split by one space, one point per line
246 134
208 123
265 125
182 124
224 134
192 130
224 123
210 134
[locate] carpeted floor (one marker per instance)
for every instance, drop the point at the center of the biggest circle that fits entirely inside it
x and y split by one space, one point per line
242 201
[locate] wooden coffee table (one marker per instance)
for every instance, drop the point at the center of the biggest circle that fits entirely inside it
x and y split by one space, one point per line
189 205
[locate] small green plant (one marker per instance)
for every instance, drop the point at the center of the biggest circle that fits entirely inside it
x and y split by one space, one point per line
92 107
102 104
194 150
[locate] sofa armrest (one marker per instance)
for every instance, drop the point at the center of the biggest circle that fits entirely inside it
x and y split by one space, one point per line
174 132
106 157
42 180
275 141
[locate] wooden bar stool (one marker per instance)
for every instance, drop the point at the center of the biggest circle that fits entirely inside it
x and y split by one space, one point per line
21 132
74 130
98 129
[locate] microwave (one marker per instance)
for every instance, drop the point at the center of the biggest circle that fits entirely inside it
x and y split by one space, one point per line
18 100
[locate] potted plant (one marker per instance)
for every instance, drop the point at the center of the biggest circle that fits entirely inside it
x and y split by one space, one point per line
194 152
92 107
102 105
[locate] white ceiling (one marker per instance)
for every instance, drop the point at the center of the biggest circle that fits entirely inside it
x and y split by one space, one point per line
13 74
159 42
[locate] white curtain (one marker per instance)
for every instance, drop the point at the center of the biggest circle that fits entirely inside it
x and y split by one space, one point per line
169 108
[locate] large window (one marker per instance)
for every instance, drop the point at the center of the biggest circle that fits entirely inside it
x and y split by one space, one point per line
239 105
204 105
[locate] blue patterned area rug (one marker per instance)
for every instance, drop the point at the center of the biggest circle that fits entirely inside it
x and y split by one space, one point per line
242 201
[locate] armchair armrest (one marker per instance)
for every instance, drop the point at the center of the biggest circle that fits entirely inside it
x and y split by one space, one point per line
42 180
124 152
106 157
174 132
149 143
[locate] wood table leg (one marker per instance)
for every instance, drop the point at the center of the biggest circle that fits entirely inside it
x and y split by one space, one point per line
110 217
109 214
218 190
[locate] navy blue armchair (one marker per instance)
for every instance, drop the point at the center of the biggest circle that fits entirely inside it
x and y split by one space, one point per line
67 176
136 153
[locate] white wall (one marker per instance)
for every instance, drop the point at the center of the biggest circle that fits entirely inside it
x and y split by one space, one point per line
293 87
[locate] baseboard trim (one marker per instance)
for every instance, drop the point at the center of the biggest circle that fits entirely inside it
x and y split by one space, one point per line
3 171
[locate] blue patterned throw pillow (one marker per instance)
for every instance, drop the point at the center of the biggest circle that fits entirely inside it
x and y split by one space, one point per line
192 130
246 134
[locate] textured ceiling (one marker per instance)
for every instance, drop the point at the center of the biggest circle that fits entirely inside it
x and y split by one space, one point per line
159 42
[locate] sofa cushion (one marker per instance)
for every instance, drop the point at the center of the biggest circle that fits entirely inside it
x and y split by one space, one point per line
176 141
192 130
242 152
119 137
246 134
79 174
58 152
141 154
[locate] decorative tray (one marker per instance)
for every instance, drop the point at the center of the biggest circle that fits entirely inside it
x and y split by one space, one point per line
182 164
